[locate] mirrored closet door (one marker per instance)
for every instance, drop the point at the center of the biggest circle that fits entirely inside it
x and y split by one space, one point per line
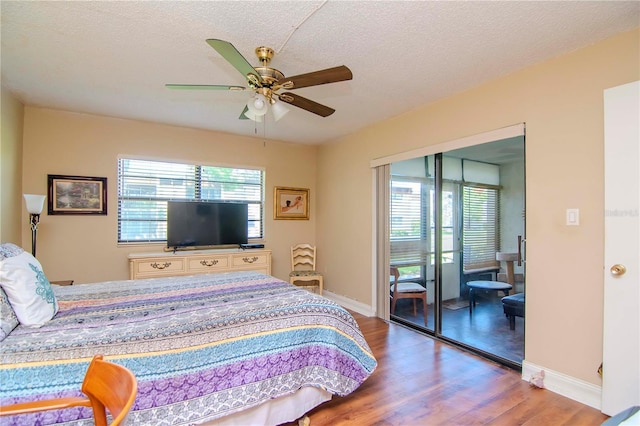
455 239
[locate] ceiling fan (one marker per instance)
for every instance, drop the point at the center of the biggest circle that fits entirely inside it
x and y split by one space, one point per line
266 82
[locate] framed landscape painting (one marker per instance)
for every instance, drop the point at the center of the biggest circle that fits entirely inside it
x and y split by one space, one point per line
291 203
77 195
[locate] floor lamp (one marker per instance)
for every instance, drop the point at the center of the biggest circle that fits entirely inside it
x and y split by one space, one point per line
35 203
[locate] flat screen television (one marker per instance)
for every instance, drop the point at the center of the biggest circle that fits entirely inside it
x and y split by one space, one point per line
202 223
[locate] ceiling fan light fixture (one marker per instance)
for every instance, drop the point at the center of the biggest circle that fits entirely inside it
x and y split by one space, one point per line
251 116
258 105
278 110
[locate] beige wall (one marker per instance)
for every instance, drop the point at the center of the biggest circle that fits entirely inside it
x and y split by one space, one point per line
12 113
561 102
84 248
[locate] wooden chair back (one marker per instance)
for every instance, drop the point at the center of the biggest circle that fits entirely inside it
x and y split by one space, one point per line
303 268
107 386
112 387
303 255
407 290
394 273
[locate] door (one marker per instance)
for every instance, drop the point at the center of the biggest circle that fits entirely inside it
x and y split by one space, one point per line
491 205
621 339
450 214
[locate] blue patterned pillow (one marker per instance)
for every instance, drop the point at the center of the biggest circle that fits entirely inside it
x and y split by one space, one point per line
27 288
8 319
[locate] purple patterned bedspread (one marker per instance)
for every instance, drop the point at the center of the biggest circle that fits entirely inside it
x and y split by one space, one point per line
201 346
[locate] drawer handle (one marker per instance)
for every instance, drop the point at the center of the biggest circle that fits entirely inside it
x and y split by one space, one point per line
160 265
250 260
209 262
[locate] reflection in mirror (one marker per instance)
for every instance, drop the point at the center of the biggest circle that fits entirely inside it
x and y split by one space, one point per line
482 222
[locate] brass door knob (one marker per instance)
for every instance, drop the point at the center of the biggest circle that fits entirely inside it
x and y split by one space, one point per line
618 269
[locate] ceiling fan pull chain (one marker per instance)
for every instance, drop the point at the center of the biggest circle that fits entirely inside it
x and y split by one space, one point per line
264 133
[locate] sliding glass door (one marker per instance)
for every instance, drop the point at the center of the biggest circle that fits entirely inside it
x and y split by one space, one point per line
453 219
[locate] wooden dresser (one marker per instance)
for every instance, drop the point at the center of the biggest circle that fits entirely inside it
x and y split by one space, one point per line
166 264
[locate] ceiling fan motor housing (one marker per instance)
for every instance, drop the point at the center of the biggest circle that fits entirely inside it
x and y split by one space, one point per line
269 75
264 55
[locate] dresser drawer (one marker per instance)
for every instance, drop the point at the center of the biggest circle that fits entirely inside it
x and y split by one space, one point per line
159 266
154 265
249 260
209 263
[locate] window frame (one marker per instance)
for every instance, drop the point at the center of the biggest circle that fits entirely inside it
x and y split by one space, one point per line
195 184
423 240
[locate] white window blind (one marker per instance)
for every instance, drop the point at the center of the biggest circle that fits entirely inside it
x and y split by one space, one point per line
481 227
409 244
413 221
144 187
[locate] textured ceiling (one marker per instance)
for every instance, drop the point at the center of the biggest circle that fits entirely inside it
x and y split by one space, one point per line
113 58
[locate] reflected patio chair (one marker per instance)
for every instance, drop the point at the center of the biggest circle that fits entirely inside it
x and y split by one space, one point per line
407 290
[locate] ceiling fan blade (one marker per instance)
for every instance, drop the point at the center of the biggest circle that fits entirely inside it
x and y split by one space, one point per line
203 87
242 114
231 54
330 75
306 104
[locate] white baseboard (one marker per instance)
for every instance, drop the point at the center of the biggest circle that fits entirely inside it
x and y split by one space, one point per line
350 304
576 389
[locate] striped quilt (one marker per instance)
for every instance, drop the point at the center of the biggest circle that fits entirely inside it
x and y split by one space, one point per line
201 347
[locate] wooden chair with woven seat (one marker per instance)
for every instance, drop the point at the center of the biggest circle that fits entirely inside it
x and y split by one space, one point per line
407 290
107 386
303 267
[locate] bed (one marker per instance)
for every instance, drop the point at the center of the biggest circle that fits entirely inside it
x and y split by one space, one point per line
229 348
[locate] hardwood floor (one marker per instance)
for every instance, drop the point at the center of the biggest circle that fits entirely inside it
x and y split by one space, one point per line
420 381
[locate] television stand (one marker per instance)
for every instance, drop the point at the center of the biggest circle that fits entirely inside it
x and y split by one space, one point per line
167 264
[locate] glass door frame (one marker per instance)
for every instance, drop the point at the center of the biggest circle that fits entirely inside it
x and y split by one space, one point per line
437 151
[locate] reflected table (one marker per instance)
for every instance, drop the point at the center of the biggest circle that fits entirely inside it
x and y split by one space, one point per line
474 286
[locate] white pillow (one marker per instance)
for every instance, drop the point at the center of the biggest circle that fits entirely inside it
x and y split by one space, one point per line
26 286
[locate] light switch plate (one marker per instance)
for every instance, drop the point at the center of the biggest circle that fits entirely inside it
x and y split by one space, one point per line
573 217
